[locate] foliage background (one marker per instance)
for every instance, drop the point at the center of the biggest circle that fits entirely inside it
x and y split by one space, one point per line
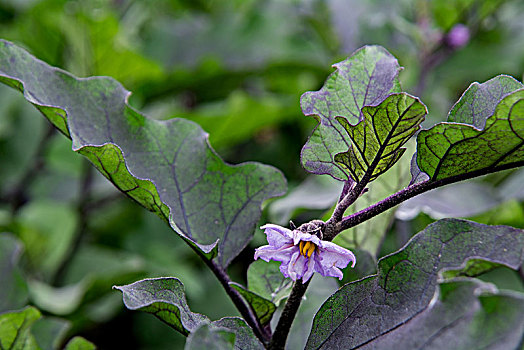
238 69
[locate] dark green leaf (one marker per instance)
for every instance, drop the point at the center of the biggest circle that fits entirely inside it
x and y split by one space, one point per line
376 141
207 337
263 308
15 329
167 166
450 149
265 279
364 79
364 311
13 290
165 298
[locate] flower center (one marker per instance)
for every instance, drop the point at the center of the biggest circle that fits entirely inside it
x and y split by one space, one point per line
306 248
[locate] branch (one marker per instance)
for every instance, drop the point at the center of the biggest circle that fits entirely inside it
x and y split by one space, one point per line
278 341
407 193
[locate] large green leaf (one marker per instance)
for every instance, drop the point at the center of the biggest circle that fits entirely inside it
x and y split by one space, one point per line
167 166
377 140
364 79
386 304
13 290
485 132
165 298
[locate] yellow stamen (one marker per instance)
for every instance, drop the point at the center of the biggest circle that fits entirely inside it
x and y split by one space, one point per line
306 248
301 246
310 250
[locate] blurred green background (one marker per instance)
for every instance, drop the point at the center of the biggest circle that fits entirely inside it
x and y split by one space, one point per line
238 69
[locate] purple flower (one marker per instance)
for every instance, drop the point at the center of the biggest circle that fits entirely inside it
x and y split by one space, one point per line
302 253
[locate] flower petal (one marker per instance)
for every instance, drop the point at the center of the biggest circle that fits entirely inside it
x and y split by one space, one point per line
277 236
297 266
268 252
310 268
335 255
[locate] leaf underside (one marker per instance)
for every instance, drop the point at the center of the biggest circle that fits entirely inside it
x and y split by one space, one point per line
485 131
166 166
165 298
364 79
385 305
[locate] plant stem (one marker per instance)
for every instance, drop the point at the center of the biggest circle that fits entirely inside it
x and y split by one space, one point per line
407 193
278 341
244 309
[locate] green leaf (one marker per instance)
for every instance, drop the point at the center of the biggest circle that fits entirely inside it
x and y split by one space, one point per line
13 293
207 337
165 298
167 166
493 140
79 343
15 329
376 141
262 307
364 79
265 279
362 312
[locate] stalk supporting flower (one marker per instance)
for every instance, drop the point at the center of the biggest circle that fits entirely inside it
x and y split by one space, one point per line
303 252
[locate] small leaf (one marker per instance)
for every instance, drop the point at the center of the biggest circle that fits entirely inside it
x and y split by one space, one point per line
364 79
262 307
58 300
450 149
79 343
265 279
15 329
207 337
13 290
166 166
165 298
376 141
362 312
